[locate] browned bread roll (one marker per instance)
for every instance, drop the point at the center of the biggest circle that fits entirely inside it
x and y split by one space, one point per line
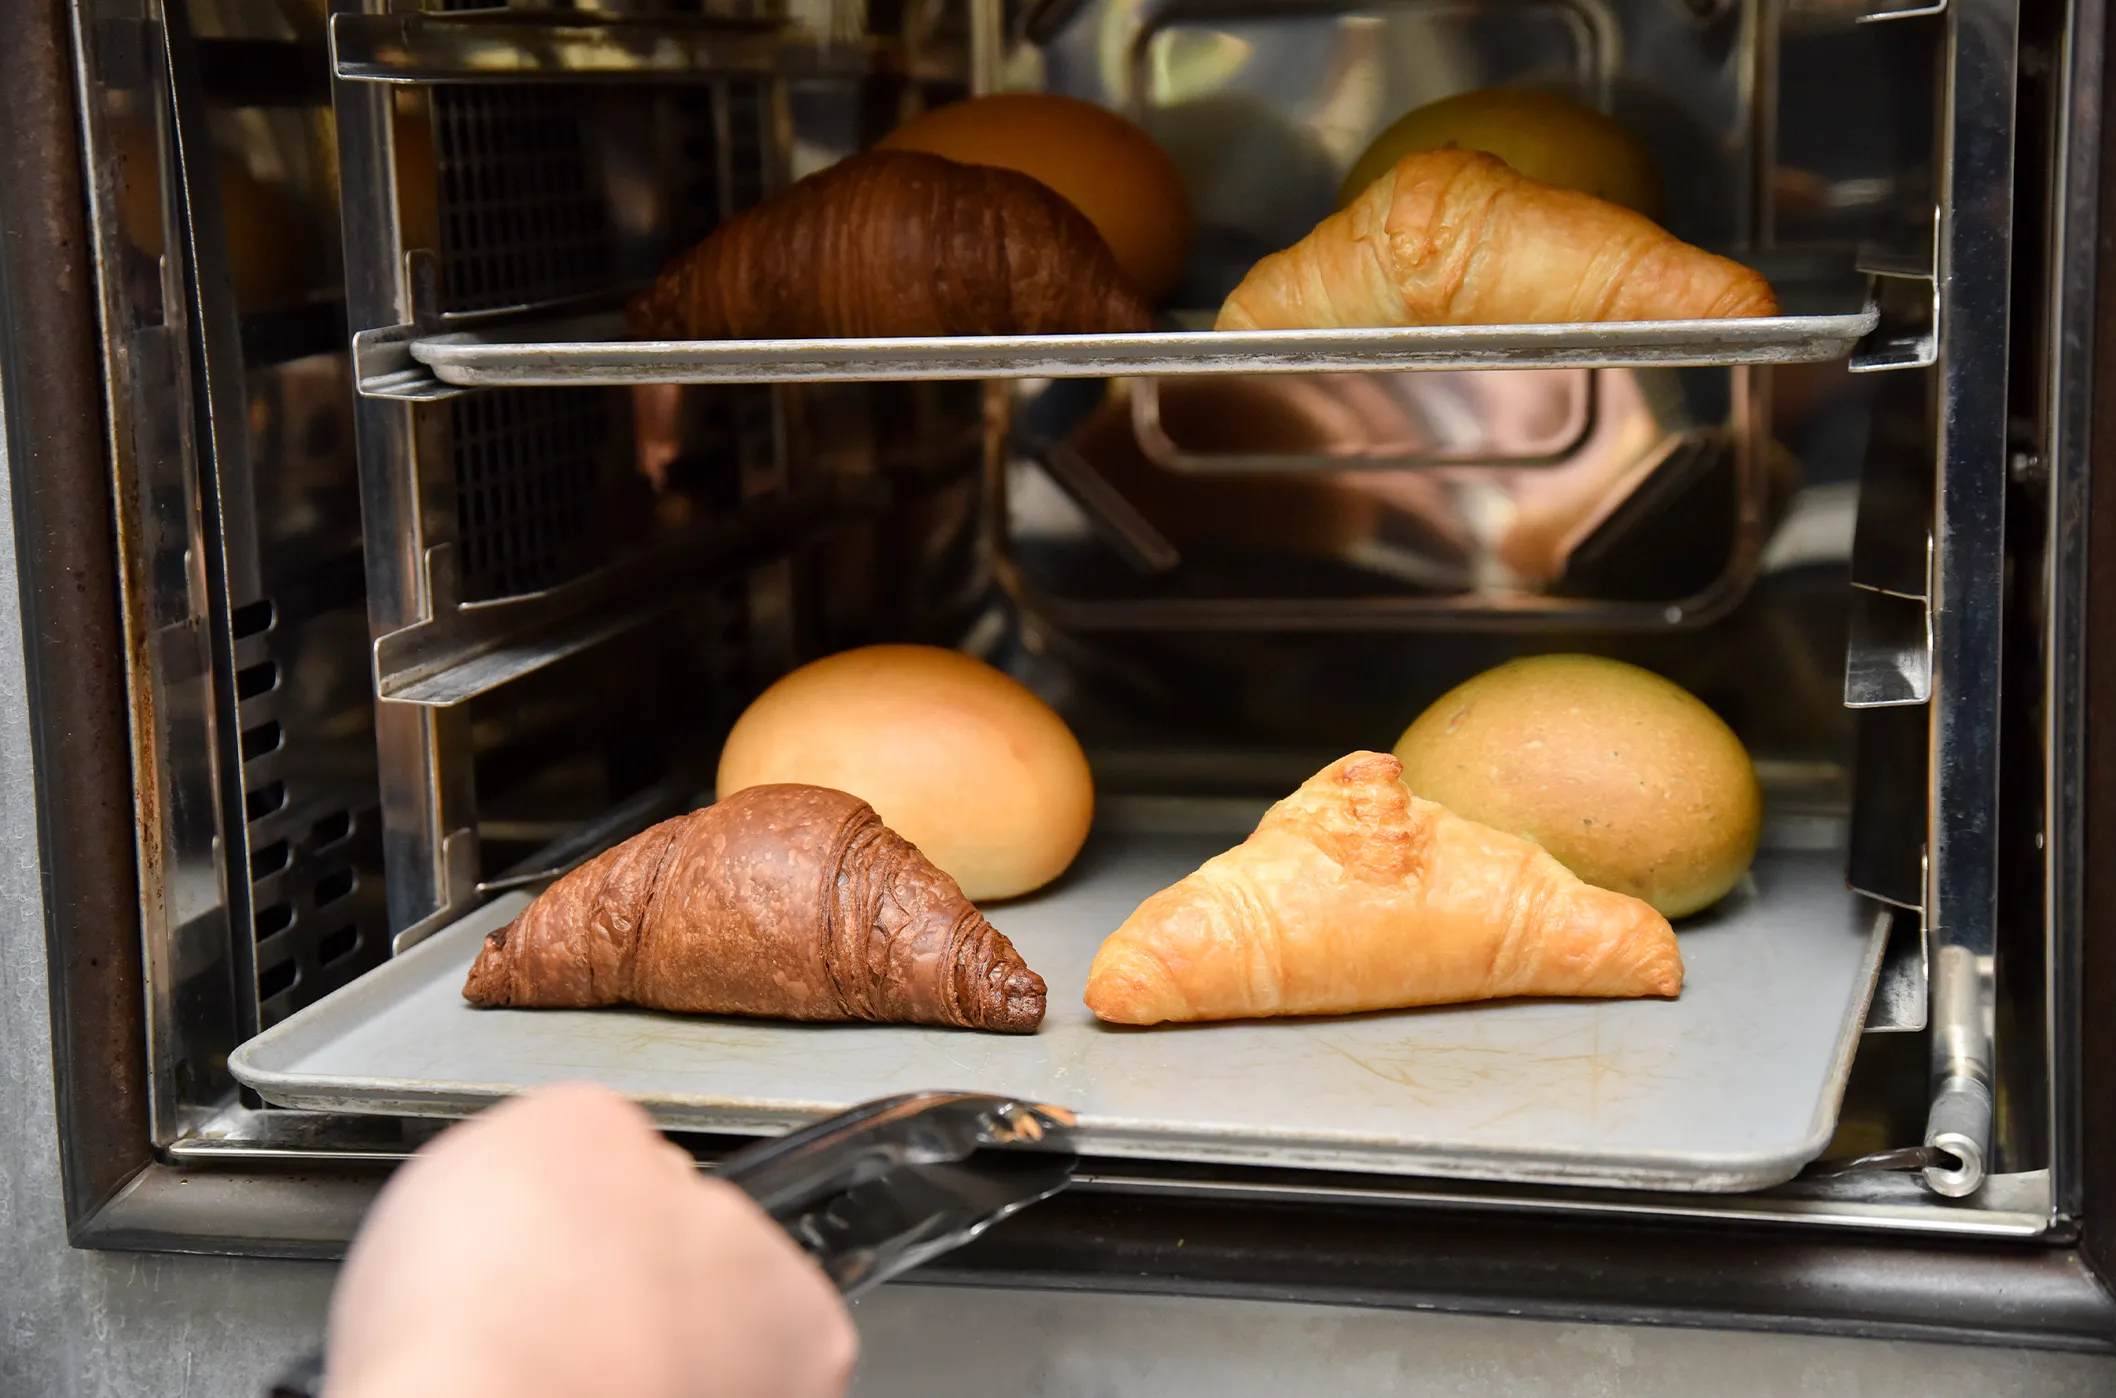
963 761
1103 165
894 243
1458 237
783 902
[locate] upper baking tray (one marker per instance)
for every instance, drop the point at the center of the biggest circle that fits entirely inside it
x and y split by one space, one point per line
594 350
1733 1086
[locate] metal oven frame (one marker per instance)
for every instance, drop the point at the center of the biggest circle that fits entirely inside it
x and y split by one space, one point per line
149 1165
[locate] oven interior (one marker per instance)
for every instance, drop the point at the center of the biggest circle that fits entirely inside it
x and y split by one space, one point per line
400 645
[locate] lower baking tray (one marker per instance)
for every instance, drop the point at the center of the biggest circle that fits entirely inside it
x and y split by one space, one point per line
595 350
1733 1086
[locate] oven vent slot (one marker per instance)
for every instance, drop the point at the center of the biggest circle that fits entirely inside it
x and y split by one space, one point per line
311 828
308 920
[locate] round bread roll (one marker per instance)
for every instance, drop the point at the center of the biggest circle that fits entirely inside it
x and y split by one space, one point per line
1551 139
1627 779
954 756
1106 167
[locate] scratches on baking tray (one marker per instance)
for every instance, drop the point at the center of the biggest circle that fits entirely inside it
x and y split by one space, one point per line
1518 1108
652 1034
1578 1067
1431 1075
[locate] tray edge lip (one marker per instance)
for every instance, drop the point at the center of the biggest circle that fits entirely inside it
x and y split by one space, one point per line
1725 1173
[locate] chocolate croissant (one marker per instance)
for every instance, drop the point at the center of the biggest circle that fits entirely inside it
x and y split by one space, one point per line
896 243
782 902
1458 237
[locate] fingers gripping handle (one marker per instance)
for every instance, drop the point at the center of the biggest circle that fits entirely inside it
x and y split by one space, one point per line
875 1191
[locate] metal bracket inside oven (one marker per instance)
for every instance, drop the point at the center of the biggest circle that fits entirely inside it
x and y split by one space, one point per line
1888 659
1904 9
1900 1002
574 46
1906 292
383 366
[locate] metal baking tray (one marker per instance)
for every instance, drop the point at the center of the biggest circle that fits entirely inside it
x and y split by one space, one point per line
594 350
1733 1086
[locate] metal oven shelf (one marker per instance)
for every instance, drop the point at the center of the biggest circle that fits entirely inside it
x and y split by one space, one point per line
592 350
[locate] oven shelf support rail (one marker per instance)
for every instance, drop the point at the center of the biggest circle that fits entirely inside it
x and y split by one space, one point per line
1967 581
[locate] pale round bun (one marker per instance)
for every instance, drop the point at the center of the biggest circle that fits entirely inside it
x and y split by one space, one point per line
954 756
1627 779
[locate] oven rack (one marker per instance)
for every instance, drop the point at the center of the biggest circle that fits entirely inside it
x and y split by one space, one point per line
593 350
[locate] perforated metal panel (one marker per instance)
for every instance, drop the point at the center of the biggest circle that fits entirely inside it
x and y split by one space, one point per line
522 221
532 488
303 703
521 218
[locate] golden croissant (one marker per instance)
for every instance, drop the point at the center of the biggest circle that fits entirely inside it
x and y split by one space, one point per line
1352 895
1458 237
893 242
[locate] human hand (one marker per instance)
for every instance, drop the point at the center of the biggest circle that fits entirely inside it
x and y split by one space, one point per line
557 1245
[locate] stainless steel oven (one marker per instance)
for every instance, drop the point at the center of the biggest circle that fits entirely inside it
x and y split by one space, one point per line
371 575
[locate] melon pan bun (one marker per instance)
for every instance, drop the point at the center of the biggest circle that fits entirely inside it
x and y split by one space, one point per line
1628 779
